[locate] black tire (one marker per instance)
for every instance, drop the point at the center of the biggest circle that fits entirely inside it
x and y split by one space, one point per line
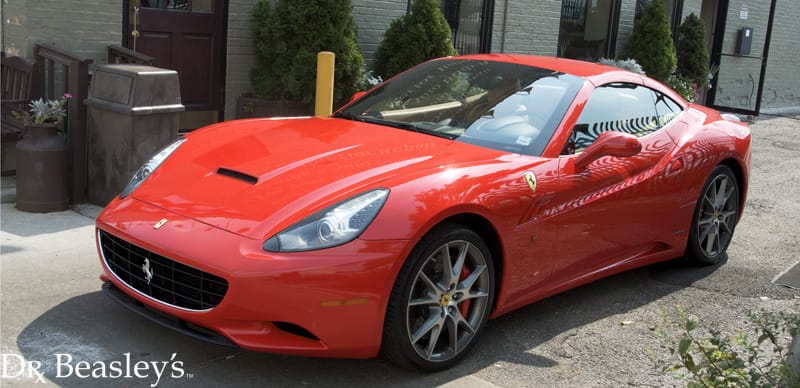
715 218
418 335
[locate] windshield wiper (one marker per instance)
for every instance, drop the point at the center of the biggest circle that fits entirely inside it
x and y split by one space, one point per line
349 116
393 124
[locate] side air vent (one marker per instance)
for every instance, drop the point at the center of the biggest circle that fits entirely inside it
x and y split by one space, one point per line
237 175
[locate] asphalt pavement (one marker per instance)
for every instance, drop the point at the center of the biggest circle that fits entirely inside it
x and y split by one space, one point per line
57 328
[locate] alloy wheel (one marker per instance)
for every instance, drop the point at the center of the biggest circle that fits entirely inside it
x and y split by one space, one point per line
717 215
448 301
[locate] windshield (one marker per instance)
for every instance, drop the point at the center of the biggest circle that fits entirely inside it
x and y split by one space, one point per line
504 106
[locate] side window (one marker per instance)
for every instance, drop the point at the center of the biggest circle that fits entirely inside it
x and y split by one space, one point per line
622 107
666 109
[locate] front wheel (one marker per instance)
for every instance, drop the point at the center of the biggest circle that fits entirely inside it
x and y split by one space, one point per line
440 301
715 218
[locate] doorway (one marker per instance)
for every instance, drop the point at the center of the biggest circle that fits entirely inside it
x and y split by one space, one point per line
187 36
740 65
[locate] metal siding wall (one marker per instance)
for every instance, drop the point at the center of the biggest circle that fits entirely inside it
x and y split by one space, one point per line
739 75
691 6
782 84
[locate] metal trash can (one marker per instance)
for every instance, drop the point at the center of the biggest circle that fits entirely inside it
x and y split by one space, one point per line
133 112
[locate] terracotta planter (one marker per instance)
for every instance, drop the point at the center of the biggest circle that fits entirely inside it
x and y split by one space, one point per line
248 106
42 170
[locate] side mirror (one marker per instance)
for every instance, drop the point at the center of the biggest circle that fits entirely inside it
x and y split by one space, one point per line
357 95
609 143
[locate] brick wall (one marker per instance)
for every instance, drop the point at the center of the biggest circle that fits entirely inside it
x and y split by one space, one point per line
84 27
240 57
627 12
372 18
526 28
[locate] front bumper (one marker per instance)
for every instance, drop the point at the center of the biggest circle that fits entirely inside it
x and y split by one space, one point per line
328 303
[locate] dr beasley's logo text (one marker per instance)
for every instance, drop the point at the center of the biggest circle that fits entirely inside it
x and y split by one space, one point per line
65 366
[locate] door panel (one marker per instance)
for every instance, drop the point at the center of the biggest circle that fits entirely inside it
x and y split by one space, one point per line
615 208
157 45
618 208
197 46
185 36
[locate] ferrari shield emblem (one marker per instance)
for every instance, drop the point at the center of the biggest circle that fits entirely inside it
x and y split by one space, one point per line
530 178
159 224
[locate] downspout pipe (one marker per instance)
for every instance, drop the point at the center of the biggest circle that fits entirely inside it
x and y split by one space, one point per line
505 25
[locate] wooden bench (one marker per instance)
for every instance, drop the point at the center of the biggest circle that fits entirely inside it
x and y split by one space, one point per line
18 86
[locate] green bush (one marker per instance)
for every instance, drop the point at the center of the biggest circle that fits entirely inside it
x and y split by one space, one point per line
650 43
691 50
682 86
414 38
739 360
287 39
626 64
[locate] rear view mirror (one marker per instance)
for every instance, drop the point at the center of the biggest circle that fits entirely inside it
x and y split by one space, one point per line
609 143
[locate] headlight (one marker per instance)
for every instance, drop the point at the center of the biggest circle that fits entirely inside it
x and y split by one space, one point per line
150 166
330 227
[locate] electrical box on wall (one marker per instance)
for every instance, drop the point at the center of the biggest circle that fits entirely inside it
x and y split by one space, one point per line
744 41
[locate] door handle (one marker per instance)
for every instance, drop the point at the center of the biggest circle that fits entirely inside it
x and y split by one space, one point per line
675 166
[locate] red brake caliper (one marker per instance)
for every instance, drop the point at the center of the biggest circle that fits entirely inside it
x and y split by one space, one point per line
464 306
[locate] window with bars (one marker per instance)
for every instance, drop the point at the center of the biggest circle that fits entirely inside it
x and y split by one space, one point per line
470 22
587 28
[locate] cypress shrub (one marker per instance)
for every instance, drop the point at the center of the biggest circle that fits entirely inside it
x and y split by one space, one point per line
651 42
414 38
288 37
266 83
692 51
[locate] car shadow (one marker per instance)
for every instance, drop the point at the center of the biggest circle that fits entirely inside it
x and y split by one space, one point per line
93 328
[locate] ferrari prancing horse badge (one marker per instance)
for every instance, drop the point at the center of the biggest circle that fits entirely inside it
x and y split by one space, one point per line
159 224
530 177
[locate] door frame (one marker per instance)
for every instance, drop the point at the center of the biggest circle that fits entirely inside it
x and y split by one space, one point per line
716 58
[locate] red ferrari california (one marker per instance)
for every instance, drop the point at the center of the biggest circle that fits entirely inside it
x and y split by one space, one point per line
455 192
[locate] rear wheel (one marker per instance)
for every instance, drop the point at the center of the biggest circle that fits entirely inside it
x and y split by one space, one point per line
440 301
715 218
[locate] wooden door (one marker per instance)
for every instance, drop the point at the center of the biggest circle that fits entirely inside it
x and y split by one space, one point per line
186 36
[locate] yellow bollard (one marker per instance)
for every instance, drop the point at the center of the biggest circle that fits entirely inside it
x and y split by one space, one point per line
323 105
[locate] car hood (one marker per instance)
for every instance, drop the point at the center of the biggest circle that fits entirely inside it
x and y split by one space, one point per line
257 177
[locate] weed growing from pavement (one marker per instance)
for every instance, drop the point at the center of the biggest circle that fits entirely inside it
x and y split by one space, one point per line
715 359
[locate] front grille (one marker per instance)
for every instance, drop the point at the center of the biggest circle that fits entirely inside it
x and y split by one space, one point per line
170 281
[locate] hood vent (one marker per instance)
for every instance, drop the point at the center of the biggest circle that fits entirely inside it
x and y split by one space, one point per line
237 175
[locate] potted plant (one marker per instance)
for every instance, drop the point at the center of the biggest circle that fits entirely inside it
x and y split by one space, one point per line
42 158
287 38
47 114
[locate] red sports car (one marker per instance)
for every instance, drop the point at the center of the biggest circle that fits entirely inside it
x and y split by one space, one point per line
455 192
